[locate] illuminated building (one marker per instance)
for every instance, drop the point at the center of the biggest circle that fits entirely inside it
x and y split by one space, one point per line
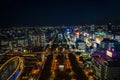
4 43
80 46
107 60
106 64
60 36
116 32
109 44
43 39
109 27
92 28
68 31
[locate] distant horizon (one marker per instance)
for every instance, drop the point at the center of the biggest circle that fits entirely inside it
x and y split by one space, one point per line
61 23
55 25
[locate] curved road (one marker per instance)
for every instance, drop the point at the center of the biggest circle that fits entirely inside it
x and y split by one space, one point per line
11 69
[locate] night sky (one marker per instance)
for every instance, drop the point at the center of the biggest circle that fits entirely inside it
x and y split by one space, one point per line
58 12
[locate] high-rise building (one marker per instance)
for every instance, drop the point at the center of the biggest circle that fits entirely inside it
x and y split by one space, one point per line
110 27
108 43
43 40
92 28
106 63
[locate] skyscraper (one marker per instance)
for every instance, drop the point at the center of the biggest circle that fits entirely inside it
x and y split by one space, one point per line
109 27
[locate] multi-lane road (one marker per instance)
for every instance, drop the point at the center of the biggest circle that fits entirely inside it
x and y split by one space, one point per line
62 64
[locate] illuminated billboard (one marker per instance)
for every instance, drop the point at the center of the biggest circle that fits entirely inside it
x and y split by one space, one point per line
109 53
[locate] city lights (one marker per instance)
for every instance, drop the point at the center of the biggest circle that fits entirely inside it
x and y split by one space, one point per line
78 52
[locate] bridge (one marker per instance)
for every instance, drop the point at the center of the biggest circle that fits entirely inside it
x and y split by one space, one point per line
11 69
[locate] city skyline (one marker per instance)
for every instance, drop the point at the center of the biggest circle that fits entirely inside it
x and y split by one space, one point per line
22 13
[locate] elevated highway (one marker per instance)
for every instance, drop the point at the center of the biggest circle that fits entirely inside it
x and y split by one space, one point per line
12 69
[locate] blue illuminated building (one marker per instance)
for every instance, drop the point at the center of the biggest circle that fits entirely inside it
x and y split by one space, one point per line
68 31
